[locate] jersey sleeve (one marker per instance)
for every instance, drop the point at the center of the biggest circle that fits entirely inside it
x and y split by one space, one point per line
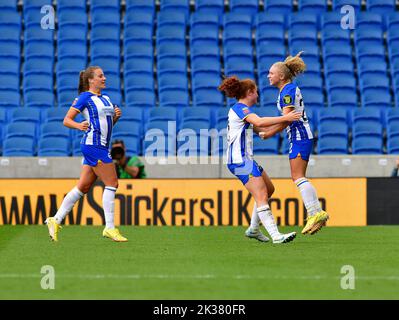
242 111
80 103
287 97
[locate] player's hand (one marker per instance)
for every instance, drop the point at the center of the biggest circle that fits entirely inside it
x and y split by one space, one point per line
293 116
83 125
118 112
262 135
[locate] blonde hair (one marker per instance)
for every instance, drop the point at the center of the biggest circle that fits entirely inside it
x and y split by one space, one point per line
236 88
292 66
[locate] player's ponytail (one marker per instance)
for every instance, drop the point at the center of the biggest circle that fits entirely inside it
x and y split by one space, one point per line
84 77
233 87
295 65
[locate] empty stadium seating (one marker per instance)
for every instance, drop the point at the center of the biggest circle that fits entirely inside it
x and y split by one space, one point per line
164 61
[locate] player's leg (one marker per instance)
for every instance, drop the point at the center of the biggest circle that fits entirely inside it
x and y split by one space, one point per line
299 163
86 180
253 230
257 187
106 172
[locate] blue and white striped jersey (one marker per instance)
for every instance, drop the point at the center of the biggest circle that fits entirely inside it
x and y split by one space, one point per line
99 112
290 96
239 134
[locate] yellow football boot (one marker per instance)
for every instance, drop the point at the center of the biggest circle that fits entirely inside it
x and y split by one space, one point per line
114 234
315 223
53 228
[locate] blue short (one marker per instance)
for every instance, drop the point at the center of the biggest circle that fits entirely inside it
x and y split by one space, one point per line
245 170
95 154
302 148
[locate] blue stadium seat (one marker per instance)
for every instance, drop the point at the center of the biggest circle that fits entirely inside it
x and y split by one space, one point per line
332 145
64 4
180 6
70 16
329 128
138 49
237 36
134 21
392 20
201 66
210 6
10 98
66 97
204 37
20 129
393 129
54 147
341 66
133 114
367 145
341 81
32 115
377 81
280 6
108 64
38 49
391 114
342 98
54 129
314 6
173 97
266 147
268 96
171 34
206 80
208 23
76 151
141 6
371 36
303 20
270 37
172 80
9 81
39 64
376 97
197 113
39 98
140 98
369 20
338 4
158 140
172 65
126 128
55 114
306 36
370 54
267 55
310 55
102 15
133 145
339 115
8 5
208 97
393 145
335 36
138 80
244 6
330 20
18 147
393 36
37 34
365 68
381 6
72 32
367 114
162 114
37 80
169 50
366 128
269 20
72 49
143 64
10 50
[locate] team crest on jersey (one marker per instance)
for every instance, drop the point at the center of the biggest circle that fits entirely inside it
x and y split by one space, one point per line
287 99
245 110
74 102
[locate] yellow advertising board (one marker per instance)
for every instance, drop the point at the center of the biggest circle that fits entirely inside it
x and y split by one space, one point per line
181 202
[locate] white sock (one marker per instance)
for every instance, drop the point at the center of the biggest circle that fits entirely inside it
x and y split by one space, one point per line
108 205
266 216
254 219
309 196
67 204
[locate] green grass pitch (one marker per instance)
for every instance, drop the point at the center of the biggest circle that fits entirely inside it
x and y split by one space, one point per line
198 263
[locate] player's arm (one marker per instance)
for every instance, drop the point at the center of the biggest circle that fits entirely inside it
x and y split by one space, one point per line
117 115
69 120
268 132
262 122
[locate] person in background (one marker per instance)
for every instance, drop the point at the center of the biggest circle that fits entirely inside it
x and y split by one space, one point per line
395 171
126 167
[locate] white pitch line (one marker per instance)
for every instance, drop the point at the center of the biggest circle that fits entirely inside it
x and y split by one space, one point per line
198 276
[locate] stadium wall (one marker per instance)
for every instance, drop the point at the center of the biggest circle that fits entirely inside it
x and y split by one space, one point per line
204 167
200 202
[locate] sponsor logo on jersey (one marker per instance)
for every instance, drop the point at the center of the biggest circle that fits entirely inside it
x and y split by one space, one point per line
287 99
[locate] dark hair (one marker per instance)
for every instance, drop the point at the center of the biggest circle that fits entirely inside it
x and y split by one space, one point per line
84 77
236 88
